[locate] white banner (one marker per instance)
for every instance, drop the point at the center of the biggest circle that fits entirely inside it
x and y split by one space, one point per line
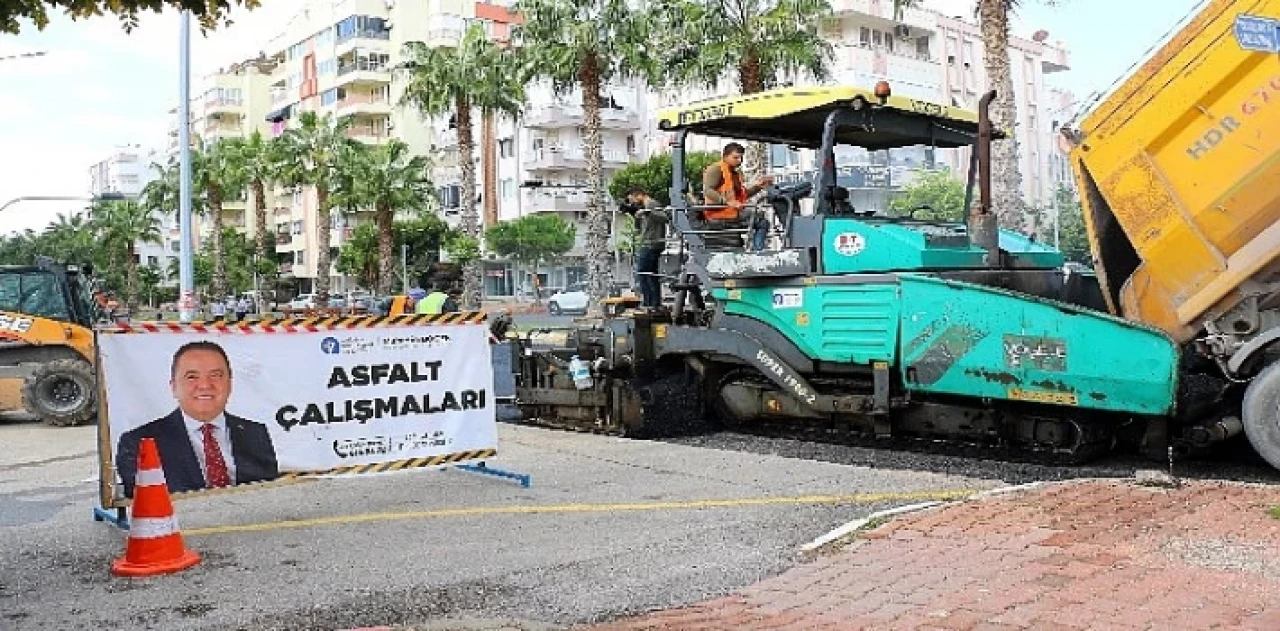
234 407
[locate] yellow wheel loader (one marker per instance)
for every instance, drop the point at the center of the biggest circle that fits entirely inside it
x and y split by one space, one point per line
47 313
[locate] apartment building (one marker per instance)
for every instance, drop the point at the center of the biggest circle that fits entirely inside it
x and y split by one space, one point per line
541 167
127 171
336 56
232 102
1041 108
926 55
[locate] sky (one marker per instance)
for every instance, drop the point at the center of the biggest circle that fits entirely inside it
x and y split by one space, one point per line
98 88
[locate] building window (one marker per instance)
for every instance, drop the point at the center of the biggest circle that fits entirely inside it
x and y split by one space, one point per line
507 188
506 148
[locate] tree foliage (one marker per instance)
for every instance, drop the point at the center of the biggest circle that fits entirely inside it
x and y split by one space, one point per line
937 190
758 41
654 175
210 14
590 44
532 239
1073 238
476 73
421 238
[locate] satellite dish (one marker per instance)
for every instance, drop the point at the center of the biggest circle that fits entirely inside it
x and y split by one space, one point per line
1040 35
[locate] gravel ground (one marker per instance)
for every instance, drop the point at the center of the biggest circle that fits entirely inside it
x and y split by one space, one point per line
1234 461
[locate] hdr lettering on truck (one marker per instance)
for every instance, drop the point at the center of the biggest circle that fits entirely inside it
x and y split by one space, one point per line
1264 96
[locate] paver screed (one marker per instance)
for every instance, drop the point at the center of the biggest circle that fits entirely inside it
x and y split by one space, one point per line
1097 554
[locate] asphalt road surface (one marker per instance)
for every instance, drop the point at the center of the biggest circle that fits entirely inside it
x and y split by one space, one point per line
609 527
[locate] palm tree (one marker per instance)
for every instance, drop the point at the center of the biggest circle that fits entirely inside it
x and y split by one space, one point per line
588 44
1006 177
392 180
475 74
260 158
223 177
312 153
70 237
756 42
121 225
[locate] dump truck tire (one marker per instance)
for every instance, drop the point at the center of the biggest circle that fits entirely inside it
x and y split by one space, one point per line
1261 412
62 392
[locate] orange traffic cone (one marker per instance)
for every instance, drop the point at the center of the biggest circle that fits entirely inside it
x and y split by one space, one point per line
155 541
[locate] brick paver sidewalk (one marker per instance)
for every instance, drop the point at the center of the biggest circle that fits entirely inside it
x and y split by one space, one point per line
1093 555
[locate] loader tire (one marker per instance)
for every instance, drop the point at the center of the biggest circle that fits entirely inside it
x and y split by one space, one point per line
1261 412
62 392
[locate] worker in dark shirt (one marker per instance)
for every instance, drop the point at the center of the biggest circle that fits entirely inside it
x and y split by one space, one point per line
651 225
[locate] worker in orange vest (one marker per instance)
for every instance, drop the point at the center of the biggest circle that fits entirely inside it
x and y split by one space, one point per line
722 184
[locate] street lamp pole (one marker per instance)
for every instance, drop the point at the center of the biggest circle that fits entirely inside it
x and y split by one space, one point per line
186 272
61 198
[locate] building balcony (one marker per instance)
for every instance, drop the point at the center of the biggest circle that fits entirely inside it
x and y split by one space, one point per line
289 269
368 134
447 139
444 36
562 116
367 39
555 200
284 238
363 72
214 128
358 103
224 105
915 18
561 159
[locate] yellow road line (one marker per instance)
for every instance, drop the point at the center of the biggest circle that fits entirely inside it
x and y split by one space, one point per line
866 498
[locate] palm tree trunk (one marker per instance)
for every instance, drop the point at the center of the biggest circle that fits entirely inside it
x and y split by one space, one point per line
470 218
386 262
489 161
1006 178
751 81
218 284
323 231
131 279
598 269
260 208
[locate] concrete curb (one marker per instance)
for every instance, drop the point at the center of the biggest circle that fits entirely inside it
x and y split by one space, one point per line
855 525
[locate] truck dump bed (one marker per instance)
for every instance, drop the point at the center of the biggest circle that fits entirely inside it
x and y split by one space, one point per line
1179 171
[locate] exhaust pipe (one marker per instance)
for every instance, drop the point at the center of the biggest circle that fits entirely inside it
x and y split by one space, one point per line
984 230
1215 432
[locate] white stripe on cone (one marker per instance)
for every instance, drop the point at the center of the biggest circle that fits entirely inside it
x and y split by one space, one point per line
152 527
149 477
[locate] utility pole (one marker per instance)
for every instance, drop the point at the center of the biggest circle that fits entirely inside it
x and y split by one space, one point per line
186 271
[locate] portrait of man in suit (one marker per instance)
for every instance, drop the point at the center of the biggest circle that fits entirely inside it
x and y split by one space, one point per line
201 445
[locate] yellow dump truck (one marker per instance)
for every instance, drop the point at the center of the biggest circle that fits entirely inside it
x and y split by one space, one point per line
1179 175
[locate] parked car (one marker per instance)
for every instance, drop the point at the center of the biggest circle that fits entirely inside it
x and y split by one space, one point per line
573 299
303 302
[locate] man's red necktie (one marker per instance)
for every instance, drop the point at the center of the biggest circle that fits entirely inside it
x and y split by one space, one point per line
215 468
